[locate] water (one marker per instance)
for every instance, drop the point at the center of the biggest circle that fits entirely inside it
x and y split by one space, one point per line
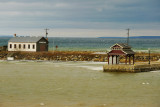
75 84
96 44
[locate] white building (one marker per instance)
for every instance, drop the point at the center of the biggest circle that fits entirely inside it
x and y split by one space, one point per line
32 44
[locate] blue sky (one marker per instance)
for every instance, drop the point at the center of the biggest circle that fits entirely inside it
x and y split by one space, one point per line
80 18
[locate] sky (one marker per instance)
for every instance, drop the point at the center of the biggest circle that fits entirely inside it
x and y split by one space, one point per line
80 18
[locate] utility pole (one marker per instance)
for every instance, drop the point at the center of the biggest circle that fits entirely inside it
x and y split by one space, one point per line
149 56
128 36
46 32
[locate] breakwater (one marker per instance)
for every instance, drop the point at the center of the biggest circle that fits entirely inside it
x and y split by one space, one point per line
72 56
56 55
140 67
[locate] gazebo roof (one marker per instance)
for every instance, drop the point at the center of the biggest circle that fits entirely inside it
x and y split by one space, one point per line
125 50
121 52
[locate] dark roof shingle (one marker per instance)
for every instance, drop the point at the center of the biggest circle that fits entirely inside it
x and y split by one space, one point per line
26 39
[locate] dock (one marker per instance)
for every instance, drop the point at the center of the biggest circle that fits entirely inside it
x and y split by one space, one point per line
139 67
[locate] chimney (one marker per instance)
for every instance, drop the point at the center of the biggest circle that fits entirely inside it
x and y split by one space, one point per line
15 35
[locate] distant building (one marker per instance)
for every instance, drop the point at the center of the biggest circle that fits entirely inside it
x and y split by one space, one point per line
120 49
32 44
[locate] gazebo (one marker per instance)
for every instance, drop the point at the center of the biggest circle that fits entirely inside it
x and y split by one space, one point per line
120 49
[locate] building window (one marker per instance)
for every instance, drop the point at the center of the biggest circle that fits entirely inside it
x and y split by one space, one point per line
33 46
10 45
24 46
28 46
14 45
19 46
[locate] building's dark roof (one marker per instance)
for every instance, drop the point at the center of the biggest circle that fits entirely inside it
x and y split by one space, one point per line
123 45
26 39
129 51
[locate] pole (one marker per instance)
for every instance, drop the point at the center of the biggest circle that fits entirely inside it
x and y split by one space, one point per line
46 32
128 36
149 56
53 45
133 59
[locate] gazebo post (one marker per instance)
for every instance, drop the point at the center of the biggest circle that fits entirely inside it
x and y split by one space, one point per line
129 60
126 59
116 59
112 59
133 59
108 59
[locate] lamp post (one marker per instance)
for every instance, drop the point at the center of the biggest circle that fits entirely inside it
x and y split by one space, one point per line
149 56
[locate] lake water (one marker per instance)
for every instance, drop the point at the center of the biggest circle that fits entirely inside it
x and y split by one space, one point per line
96 44
75 84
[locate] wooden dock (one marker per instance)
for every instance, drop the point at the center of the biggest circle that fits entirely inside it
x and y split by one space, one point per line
139 67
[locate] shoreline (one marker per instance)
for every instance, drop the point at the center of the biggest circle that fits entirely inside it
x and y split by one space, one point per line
55 56
73 56
53 61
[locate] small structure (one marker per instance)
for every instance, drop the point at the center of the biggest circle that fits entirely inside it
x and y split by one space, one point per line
3 48
31 44
10 58
120 49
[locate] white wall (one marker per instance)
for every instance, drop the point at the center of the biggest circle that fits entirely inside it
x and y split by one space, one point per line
22 49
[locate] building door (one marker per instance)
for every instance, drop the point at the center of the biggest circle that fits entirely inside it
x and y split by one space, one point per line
42 47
